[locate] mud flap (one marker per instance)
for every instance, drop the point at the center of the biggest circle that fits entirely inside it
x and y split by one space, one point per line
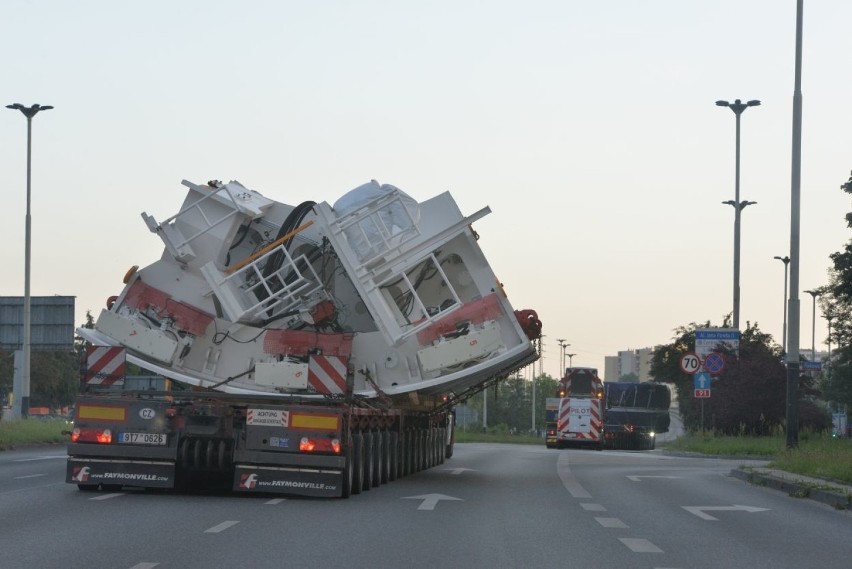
302 482
148 474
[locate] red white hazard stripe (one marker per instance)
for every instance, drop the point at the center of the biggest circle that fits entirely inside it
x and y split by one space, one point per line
327 374
105 365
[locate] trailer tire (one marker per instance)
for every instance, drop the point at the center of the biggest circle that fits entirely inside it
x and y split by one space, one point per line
394 457
408 457
378 459
386 457
348 474
368 461
358 464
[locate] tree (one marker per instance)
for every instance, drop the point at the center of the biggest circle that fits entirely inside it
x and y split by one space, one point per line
748 396
837 305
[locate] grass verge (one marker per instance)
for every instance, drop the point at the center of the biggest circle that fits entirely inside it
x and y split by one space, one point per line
26 432
819 456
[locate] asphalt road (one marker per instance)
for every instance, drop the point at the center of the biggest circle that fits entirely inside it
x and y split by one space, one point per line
490 506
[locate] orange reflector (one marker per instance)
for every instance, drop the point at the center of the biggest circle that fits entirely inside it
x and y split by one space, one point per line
313 421
102 412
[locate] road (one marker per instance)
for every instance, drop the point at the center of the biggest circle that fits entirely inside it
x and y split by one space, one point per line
490 506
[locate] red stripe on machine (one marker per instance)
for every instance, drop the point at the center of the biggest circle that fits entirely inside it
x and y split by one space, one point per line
105 364
327 374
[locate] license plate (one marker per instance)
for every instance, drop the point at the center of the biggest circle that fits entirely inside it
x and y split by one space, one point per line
142 438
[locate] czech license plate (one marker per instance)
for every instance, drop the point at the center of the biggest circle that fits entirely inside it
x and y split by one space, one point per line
142 438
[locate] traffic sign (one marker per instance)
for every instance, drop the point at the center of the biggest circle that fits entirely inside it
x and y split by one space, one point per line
702 393
702 380
714 362
690 363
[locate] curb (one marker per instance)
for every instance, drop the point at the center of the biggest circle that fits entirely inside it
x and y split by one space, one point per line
820 491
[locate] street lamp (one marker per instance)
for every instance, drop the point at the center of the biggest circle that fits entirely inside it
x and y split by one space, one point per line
737 107
786 261
570 359
28 112
814 294
562 346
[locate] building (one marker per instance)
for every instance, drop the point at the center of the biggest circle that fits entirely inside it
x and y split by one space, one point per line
634 363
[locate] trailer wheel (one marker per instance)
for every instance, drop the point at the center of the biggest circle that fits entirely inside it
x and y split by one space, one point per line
418 450
368 461
394 457
406 453
386 457
358 464
348 474
378 459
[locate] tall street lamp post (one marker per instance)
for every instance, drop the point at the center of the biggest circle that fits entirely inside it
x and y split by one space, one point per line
570 359
562 346
28 112
786 261
814 294
737 107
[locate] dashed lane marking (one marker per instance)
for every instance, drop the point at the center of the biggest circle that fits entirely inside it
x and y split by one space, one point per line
611 523
108 496
221 527
639 545
593 507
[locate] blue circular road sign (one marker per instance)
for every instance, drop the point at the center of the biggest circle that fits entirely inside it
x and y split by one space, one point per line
714 362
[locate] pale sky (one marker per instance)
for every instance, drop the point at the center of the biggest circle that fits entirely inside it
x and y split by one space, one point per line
589 128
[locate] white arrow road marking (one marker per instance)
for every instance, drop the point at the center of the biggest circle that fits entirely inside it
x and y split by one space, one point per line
699 510
431 500
221 527
458 471
636 478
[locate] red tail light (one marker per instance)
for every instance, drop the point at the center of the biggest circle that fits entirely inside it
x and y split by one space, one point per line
100 436
308 444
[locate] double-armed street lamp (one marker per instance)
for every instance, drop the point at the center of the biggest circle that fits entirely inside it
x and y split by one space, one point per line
786 261
737 107
28 112
570 359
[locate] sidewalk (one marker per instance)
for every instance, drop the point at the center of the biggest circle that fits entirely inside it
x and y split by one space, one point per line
834 494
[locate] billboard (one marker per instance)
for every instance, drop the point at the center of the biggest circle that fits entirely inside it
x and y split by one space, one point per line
51 323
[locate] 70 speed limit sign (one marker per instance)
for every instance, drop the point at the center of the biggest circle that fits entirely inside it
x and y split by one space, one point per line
690 363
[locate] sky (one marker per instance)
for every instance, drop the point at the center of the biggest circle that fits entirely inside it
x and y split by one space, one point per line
589 128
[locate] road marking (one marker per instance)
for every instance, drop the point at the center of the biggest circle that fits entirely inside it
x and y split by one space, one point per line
144 565
593 507
49 457
458 471
274 501
108 496
29 476
221 527
639 545
636 478
431 500
699 510
611 523
568 479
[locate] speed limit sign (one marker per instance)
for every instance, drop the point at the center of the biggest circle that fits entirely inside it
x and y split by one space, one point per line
690 363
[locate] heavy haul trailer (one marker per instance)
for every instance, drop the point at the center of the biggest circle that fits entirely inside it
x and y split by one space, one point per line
357 325
183 440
